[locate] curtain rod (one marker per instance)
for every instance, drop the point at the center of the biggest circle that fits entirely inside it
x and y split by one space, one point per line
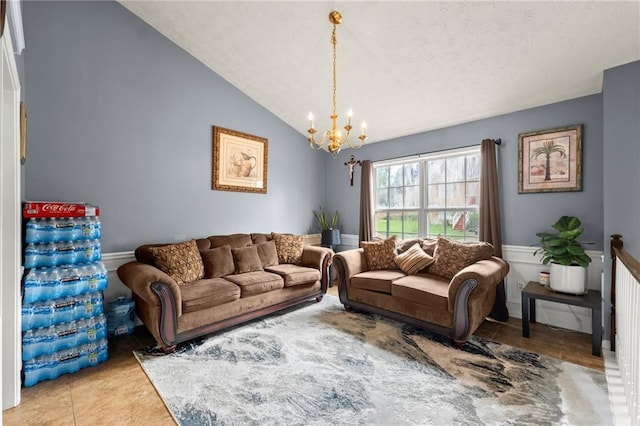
497 142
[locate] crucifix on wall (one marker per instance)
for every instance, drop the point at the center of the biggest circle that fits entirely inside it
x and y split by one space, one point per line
352 163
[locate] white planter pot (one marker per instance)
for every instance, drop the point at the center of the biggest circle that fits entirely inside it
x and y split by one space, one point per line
568 279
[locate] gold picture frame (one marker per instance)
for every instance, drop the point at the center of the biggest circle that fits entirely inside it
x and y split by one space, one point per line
550 160
23 133
239 161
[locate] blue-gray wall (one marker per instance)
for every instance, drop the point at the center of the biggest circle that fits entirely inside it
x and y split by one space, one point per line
622 154
621 159
119 116
522 214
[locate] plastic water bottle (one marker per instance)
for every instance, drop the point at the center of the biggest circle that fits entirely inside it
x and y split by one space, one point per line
97 227
83 227
103 276
97 250
30 256
61 230
37 231
71 281
32 286
44 231
54 229
52 284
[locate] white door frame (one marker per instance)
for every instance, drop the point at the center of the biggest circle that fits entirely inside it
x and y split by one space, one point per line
10 226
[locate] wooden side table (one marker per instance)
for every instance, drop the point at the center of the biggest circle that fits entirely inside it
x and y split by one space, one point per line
592 300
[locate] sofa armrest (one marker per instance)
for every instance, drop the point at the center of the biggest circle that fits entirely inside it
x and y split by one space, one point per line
140 276
488 273
314 256
352 262
319 258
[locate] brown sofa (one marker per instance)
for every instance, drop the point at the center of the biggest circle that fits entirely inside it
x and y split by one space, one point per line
454 306
175 309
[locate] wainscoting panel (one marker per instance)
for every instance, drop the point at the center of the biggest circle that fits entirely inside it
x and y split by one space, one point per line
115 287
524 268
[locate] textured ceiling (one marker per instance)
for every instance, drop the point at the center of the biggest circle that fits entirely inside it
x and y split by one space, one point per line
404 67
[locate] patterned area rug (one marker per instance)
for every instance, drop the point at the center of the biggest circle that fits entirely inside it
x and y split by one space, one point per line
319 364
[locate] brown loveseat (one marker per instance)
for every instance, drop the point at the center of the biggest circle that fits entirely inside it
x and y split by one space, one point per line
190 289
450 287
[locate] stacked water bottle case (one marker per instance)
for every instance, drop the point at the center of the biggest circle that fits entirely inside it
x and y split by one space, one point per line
63 322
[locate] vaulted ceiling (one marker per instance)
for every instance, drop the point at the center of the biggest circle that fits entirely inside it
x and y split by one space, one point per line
404 67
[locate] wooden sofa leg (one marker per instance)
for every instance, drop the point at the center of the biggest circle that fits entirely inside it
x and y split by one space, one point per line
319 299
348 308
168 349
459 343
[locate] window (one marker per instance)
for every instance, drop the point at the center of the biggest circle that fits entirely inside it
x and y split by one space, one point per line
429 195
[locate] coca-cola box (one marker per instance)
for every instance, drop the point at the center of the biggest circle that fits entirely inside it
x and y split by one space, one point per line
58 209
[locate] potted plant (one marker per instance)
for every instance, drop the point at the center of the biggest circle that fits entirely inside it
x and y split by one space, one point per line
329 228
566 255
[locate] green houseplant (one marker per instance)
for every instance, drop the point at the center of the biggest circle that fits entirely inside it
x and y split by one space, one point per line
568 259
562 247
329 228
323 220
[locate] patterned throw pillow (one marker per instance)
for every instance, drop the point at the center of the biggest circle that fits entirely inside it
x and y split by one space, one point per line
380 254
413 260
452 256
289 248
181 261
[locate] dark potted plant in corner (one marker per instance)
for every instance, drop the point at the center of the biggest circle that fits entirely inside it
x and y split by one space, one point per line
330 231
566 255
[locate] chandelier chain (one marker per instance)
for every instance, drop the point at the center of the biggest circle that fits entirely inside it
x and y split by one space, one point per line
334 41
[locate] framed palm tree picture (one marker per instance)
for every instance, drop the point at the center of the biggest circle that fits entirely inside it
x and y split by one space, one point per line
550 160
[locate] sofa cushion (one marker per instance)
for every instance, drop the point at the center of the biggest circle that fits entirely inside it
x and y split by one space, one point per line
380 254
405 245
207 293
143 253
429 246
203 244
294 274
289 247
452 256
181 261
256 282
260 238
424 289
246 259
379 281
218 262
268 253
234 240
413 260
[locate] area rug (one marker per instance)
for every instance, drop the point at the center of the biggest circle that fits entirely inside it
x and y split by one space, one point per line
319 364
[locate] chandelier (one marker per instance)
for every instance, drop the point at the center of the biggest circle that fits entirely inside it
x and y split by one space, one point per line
335 137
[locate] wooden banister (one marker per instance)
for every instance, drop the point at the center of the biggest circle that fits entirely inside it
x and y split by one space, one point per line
632 264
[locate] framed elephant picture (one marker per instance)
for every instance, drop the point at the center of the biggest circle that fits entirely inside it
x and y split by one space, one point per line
239 161
550 160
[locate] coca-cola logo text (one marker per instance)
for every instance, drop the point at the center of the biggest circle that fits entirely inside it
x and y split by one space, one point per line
59 208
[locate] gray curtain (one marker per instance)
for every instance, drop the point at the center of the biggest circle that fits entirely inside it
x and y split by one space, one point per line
490 223
366 204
